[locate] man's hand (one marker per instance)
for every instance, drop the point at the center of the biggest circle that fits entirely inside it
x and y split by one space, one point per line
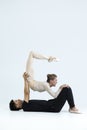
64 86
25 76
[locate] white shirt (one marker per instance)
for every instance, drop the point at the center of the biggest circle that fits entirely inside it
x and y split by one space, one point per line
37 85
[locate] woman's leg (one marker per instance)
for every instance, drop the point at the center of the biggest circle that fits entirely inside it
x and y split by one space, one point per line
29 69
33 55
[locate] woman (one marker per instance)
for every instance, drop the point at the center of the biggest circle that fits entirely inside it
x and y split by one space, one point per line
37 85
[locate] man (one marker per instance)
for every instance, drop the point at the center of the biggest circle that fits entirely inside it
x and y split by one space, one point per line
52 105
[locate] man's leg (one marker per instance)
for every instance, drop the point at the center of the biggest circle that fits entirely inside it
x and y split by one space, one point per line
65 95
70 98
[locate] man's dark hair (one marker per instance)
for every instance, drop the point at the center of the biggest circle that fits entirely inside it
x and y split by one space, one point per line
12 106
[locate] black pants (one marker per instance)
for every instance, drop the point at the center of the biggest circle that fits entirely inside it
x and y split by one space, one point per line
52 105
56 104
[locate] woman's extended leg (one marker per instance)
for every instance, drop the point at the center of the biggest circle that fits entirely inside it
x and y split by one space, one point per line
33 55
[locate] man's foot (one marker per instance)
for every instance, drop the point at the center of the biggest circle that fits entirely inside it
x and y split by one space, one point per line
74 110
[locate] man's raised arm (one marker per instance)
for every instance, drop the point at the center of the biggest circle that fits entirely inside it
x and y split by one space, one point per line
26 88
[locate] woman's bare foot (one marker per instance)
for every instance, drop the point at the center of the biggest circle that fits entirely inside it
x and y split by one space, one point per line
53 59
74 110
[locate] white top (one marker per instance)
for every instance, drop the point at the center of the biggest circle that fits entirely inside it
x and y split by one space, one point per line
44 86
37 85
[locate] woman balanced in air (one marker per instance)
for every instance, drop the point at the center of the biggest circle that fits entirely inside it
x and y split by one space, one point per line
38 85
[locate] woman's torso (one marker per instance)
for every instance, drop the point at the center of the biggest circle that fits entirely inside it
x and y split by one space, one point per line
37 85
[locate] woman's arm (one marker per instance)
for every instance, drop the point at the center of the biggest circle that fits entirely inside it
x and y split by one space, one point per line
52 93
55 94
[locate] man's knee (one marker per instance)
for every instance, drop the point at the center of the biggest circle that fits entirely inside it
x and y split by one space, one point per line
66 88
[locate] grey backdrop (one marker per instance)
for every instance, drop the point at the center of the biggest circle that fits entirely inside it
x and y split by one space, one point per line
50 27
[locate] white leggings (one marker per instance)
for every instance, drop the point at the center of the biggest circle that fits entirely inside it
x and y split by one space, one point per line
31 57
37 85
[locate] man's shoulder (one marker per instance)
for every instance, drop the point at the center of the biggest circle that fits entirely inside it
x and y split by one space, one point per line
25 103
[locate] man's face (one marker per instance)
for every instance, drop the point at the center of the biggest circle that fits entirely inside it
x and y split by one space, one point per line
18 103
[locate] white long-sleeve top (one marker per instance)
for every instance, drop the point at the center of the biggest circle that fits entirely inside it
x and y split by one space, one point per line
37 85
44 86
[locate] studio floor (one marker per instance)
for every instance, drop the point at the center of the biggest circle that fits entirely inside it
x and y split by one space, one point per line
20 120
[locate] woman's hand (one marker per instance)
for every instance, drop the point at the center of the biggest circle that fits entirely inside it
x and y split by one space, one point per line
64 86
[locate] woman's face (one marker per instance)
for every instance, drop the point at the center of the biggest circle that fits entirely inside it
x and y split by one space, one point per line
53 82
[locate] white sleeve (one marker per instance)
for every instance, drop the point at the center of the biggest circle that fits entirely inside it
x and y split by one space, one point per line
49 90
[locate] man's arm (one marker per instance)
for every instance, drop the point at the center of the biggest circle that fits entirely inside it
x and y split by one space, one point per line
26 89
